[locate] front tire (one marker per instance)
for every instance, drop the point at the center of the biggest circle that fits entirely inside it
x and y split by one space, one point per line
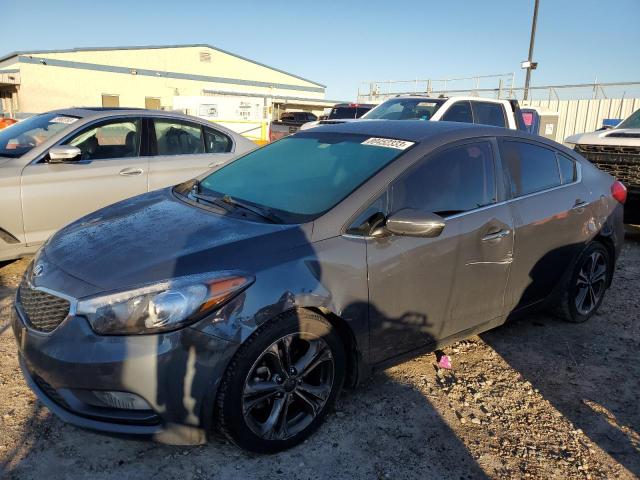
281 383
584 292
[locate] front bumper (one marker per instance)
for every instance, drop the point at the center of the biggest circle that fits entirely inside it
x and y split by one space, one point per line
175 373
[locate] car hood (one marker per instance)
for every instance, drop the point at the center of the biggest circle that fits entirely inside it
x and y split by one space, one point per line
157 236
614 136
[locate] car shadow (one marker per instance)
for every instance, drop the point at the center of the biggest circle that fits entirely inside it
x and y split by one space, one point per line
580 368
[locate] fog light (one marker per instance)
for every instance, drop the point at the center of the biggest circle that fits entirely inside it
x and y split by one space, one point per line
121 400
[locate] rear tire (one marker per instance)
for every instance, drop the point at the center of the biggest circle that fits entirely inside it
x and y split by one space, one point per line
281 383
584 291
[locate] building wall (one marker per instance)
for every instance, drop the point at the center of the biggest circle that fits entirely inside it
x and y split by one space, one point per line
58 80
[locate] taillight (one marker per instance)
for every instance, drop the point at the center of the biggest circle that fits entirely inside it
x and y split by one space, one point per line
619 191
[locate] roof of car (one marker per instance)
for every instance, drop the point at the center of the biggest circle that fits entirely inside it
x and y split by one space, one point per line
85 112
411 130
424 131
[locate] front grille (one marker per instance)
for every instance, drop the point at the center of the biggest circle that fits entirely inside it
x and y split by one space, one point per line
43 311
623 162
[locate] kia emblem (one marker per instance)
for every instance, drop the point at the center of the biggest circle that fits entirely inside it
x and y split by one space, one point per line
38 270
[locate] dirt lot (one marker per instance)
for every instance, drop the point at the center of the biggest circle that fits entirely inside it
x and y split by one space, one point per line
535 398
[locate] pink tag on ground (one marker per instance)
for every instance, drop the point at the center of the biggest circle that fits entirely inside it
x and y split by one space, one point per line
445 362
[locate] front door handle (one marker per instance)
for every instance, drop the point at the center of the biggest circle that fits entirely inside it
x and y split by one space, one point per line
580 204
215 164
496 235
131 172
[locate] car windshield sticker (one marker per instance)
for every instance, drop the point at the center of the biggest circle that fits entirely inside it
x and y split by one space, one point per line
66 120
388 143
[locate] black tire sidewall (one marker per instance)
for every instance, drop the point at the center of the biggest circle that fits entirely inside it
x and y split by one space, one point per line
576 316
235 426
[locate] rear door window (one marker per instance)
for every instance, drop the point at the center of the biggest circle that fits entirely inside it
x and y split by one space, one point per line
486 113
529 168
457 180
459 112
174 137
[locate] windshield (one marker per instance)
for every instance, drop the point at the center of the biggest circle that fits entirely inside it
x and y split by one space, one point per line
632 121
21 137
348 112
405 109
303 176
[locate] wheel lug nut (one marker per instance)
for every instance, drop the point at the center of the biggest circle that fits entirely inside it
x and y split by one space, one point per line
299 381
292 371
278 379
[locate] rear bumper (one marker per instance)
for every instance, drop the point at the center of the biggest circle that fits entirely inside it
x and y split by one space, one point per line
176 374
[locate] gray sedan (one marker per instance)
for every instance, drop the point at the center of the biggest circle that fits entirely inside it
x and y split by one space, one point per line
58 166
245 300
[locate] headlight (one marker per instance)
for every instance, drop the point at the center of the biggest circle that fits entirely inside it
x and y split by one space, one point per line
162 306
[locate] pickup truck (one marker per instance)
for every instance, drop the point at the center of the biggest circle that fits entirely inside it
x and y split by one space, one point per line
485 111
289 123
617 152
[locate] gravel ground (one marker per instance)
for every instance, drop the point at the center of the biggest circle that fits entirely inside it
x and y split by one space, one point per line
535 398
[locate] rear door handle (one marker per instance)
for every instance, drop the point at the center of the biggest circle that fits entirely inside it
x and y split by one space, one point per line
131 172
496 235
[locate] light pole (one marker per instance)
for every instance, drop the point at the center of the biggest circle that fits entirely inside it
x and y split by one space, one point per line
530 64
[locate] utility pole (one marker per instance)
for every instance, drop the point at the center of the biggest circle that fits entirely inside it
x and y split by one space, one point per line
529 64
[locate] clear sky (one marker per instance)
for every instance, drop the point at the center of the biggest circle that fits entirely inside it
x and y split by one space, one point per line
342 43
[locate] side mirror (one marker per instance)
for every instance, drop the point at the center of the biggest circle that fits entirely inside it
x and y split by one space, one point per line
63 153
415 223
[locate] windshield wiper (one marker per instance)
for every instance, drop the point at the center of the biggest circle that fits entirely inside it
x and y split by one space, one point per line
255 209
226 201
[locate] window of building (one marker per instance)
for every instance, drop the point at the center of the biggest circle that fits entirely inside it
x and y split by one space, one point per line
152 103
110 101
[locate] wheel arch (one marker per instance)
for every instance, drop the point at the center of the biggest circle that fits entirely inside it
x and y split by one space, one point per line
608 244
356 367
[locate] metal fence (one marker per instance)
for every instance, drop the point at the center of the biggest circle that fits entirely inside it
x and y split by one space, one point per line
582 107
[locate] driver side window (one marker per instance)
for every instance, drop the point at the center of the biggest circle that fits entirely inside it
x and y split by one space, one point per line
454 181
112 139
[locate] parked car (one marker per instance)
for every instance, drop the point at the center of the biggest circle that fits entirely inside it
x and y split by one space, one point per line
61 165
340 112
616 151
289 123
7 122
244 300
483 111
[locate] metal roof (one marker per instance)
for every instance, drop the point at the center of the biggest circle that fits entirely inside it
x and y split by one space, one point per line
148 47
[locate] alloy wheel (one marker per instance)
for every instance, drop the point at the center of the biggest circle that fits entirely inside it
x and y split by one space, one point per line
591 283
288 386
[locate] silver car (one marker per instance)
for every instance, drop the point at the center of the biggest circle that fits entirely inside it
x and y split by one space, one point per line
59 166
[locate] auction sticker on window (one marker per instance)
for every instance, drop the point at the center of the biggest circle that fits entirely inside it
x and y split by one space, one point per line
67 120
388 143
